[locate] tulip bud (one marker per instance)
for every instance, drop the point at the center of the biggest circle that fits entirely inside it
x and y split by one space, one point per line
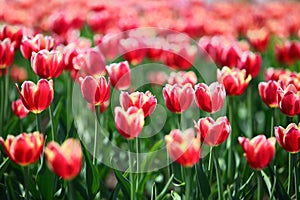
259 39
36 97
289 138
211 132
183 147
145 101
47 64
210 99
95 91
7 53
19 109
289 100
259 151
178 98
268 93
25 148
129 123
251 62
65 160
119 75
234 80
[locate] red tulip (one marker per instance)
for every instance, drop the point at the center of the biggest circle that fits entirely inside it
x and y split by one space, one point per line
19 109
145 101
274 74
24 149
119 75
230 56
95 91
234 80
70 51
7 53
268 93
289 138
251 62
157 77
129 123
36 97
289 100
47 64
183 147
259 151
106 42
210 99
182 78
14 33
35 44
65 160
178 98
211 132
132 50
18 74
259 39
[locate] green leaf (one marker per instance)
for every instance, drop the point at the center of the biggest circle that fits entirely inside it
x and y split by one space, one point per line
267 182
165 189
280 192
80 189
10 126
151 156
123 183
57 113
4 166
11 192
202 180
153 191
175 196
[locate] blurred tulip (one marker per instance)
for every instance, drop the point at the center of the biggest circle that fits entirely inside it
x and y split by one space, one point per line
274 74
7 53
19 109
230 56
234 80
18 74
65 160
132 50
119 75
259 151
70 51
157 77
259 39
14 33
145 101
178 98
36 97
268 93
91 62
211 132
105 43
35 44
289 100
289 137
183 147
47 64
25 148
251 62
282 54
210 99
95 91
182 78
129 123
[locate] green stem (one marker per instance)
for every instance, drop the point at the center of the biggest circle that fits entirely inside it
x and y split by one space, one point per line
210 164
70 191
137 164
219 182
290 173
179 120
37 120
26 178
6 96
249 99
2 101
188 185
52 122
95 141
69 101
272 122
230 140
131 175
259 184
296 173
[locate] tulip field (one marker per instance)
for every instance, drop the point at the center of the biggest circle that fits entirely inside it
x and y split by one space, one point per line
159 100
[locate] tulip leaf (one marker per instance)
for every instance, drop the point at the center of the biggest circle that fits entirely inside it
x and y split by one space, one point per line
202 180
4 166
124 183
165 189
10 126
56 114
151 155
175 196
10 190
267 182
92 175
153 191
80 189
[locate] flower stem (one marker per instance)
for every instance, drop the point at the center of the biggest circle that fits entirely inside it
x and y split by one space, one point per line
210 164
290 174
296 171
188 179
52 122
272 123
137 163
37 120
26 179
230 140
97 122
258 175
219 182
69 101
179 120
131 175
70 191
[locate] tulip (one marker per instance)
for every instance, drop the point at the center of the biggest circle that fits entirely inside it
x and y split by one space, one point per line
47 64
182 78
132 50
18 74
183 147
157 77
95 91
234 80
119 75
19 109
105 43
268 93
289 100
275 74
129 123
259 151
178 98
36 97
251 62
25 148
7 53
230 56
65 160
210 99
71 51
35 44
289 138
145 101
259 39
14 33
211 132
